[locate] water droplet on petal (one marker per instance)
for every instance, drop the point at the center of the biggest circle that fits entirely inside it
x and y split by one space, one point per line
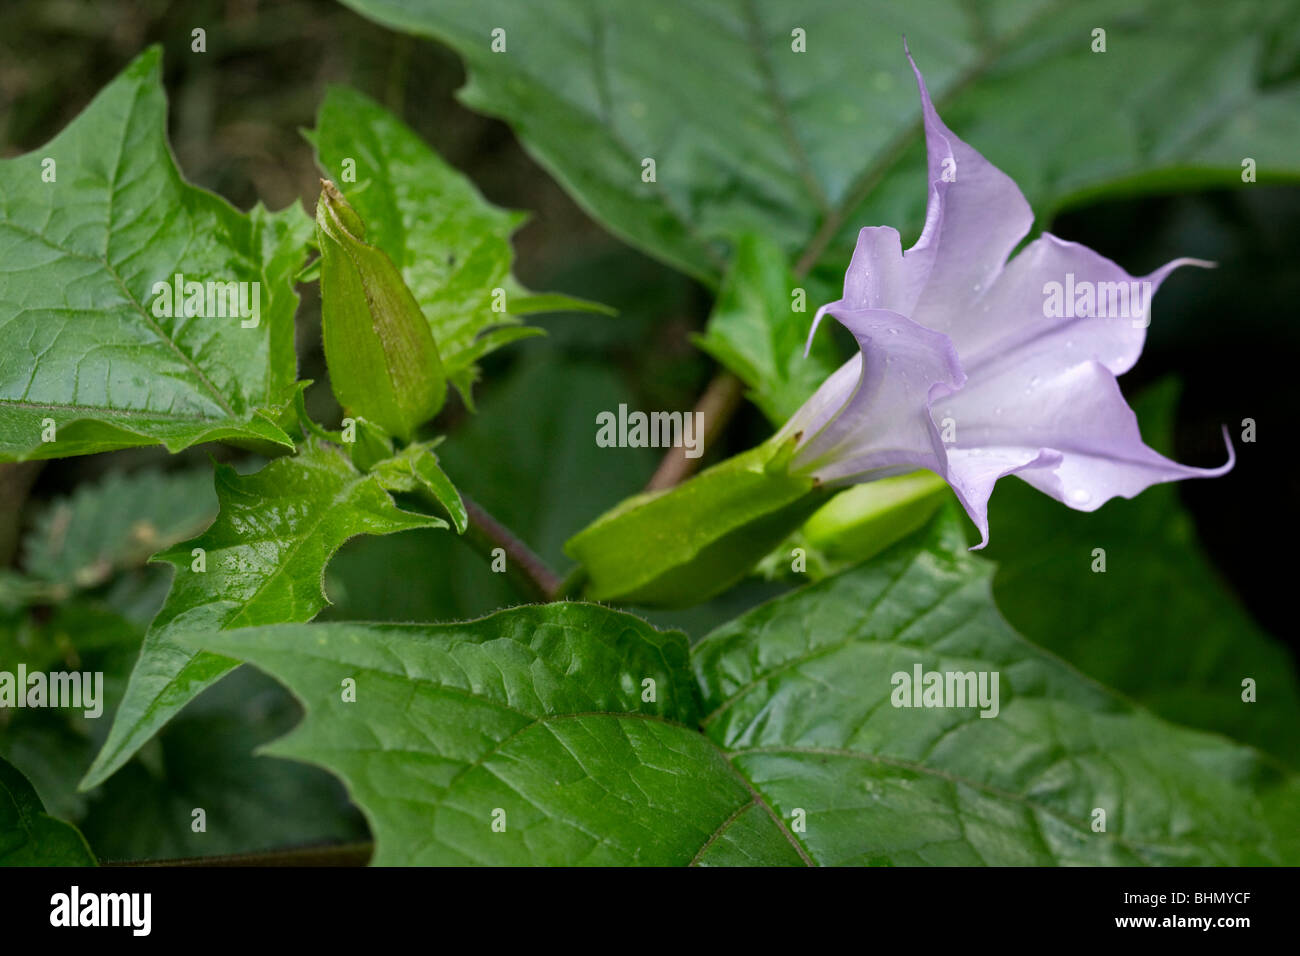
893 331
1080 497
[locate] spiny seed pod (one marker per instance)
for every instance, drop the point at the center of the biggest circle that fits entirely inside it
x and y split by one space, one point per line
383 360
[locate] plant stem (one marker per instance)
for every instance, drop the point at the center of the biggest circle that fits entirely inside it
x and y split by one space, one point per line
719 401
529 572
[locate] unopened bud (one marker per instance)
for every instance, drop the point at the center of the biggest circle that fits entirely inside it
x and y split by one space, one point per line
383 360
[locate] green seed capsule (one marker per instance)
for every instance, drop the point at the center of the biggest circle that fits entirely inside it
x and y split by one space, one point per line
383 360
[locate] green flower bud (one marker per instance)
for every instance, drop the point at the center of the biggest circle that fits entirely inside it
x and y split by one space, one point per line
383 360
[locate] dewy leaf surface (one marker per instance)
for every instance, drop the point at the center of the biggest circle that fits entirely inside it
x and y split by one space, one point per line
28 835
264 558
79 258
781 747
749 135
450 244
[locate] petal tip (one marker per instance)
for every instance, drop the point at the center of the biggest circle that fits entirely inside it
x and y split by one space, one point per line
1232 456
1159 275
817 320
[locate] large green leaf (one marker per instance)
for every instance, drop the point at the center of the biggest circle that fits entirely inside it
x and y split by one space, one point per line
774 742
451 245
87 348
750 136
28 835
264 558
537 710
1158 623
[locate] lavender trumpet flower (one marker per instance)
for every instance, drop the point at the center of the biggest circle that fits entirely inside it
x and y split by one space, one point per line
976 367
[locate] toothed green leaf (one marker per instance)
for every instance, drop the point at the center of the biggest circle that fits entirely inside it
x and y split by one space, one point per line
263 561
577 734
103 354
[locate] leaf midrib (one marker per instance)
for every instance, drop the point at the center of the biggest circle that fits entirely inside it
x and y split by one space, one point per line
214 392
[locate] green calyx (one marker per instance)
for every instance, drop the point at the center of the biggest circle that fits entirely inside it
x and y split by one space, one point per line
679 547
383 360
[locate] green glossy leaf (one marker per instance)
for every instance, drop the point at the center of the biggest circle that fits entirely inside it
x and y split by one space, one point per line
537 710
755 331
750 136
451 246
416 468
685 544
95 349
1158 624
775 743
264 558
28 835
800 693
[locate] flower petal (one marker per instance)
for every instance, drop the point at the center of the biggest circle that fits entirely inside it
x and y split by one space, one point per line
975 218
884 426
1030 316
825 403
1079 418
972 473
879 277
1041 402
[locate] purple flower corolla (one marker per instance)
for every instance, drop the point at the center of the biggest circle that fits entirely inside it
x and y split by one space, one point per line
975 367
